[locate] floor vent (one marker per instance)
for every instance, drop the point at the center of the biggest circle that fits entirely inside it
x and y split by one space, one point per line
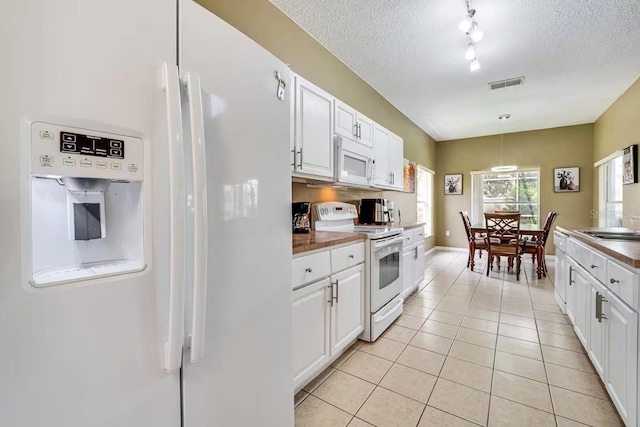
516 81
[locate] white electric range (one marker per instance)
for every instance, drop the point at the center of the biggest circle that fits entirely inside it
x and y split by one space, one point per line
383 264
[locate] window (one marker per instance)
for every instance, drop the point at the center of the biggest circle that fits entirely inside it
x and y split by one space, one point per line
611 193
502 192
424 190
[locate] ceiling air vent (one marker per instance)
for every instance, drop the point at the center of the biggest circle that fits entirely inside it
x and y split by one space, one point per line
516 81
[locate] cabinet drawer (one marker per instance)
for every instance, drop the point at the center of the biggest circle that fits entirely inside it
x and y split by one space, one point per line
347 257
580 253
560 240
623 283
310 267
418 235
409 238
597 266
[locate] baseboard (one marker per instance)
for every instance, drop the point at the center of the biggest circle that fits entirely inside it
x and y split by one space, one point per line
450 249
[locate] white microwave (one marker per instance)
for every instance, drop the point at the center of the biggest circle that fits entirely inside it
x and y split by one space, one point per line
354 163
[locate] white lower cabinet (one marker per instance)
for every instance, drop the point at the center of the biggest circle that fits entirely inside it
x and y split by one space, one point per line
571 294
597 339
311 323
347 309
413 261
621 369
583 288
606 324
418 270
328 314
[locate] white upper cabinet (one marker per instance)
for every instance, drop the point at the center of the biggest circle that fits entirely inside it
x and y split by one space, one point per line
389 161
313 147
352 125
345 120
396 161
382 177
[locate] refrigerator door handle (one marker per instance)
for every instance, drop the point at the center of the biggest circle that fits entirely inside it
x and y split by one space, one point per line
200 238
177 196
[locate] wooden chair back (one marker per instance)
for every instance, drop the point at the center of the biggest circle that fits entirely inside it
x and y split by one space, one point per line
503 233
467 223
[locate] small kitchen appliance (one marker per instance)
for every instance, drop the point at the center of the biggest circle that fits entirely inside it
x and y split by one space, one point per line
301 221
374 211
383 264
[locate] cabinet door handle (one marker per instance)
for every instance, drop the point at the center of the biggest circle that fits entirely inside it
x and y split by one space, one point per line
598 307
294 158
355 130
594 266
612 281
308 270
300 154
331 296
415 250
335 297
351 256
360 130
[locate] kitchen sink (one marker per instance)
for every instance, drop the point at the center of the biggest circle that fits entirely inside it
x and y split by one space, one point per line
613 234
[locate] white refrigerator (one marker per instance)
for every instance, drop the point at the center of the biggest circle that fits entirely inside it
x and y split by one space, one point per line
145 242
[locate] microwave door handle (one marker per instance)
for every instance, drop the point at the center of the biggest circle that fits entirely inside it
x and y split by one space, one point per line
386 243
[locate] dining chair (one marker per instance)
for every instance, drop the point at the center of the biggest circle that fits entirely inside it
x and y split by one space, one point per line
476 243
529 246
503 239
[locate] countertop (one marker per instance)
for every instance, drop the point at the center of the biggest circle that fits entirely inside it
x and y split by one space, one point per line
624 251
322 239
409 225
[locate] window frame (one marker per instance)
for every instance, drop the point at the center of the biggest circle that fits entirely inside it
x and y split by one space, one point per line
477 191
605 215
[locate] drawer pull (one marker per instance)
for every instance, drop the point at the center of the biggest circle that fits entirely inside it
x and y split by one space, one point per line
308 270
612 281
351 256
594 266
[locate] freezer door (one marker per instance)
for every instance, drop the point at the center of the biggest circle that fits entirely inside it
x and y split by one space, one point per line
89 353
242 375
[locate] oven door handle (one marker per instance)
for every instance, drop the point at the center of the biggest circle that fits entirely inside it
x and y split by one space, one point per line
385 243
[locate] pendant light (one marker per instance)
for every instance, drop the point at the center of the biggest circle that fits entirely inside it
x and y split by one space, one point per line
503 168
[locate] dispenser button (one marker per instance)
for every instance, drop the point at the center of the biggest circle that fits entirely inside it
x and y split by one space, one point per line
68 137
101 164
45 134
86 163
66 146
68 162
133 167
46 160
116 166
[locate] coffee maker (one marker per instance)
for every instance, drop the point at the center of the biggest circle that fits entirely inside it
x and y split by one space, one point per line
374 211
301 220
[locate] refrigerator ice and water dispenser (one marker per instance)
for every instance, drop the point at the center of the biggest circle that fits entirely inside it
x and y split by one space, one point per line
87 204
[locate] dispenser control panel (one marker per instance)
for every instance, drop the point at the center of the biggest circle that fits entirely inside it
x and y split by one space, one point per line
65 151
90 145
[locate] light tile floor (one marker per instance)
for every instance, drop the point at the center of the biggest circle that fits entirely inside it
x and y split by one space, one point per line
468 350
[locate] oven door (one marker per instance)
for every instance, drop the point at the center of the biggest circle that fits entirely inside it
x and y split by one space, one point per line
386 271
352 167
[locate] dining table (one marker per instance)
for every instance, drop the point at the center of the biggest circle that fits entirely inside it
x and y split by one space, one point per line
532 232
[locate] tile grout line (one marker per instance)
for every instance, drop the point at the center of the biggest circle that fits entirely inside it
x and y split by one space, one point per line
495 354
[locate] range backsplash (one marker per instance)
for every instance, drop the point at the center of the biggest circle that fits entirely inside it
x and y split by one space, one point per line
405 202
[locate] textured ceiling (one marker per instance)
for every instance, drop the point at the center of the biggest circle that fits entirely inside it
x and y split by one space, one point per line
577 56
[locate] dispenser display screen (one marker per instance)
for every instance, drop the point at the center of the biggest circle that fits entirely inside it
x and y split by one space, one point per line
88 145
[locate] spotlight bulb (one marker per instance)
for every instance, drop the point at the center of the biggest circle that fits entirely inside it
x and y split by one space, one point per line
475 65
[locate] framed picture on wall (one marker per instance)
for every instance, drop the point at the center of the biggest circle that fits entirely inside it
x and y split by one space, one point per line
409 176
453 184
630 164
566 180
